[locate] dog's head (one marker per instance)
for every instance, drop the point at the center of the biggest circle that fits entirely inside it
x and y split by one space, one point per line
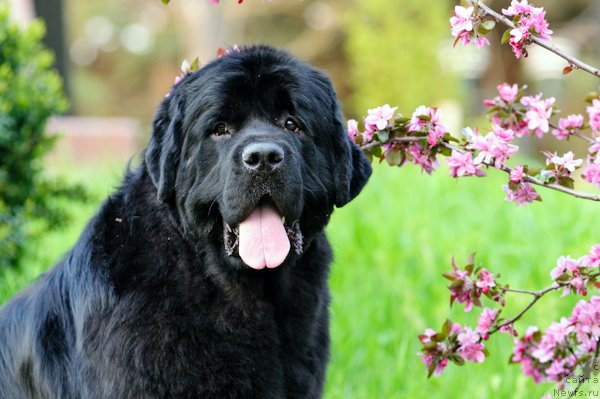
254 144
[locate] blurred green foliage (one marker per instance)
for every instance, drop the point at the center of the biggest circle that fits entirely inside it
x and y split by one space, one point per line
30 92
392 47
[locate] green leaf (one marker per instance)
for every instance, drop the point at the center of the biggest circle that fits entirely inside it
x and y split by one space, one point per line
591 97
446 327
456 284
431 369
165 1
505 37
383 135
445 151
532 171
195 65
376 151
394 158
449 275
458 360
488 24
439 337
566 181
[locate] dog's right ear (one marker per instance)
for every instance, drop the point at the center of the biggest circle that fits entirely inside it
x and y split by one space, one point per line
164 148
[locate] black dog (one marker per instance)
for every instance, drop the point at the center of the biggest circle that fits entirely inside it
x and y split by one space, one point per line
162 296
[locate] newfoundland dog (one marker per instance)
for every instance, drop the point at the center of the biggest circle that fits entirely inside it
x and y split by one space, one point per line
205 274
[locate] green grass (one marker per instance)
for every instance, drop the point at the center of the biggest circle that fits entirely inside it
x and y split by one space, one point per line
391 245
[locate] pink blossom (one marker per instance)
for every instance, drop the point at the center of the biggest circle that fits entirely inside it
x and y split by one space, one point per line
518 39
508 329
530 332
527 19
593 257
586 321
507 92
481 41
379 118
538 114
594 114
567 126
440 364
353 131
537 22
592 172
434 134
470 347
595 147
485 281
564 264
517 8
516 175
425 338
485 321
530 17
422 157
504 134
423 117
461 164
523 195
492 148
566 162
557 370
462 21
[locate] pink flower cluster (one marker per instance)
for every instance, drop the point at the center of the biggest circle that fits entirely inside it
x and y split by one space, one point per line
556 354
494 148
518 190
465 27
377 119
576 275
521 114
454 343
528 20
538 113
462 165
546 357
568 126
558 168
594 114
522 193
468 290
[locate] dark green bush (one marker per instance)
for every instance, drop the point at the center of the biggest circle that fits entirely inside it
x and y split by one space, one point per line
30 92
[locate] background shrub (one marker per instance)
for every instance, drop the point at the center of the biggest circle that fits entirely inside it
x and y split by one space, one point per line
30 92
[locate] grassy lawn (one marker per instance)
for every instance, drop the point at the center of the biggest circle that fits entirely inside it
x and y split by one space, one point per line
391 245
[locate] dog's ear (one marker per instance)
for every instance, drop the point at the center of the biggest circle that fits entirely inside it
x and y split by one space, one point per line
352 167
164 148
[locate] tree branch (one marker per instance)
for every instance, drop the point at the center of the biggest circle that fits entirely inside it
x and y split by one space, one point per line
536 297
550 47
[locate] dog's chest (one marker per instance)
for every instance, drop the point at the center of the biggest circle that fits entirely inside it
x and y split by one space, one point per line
220 346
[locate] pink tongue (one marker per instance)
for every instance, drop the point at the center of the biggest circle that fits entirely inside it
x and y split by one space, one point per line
263 240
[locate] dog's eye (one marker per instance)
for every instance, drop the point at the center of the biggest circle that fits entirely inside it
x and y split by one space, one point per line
220 129
291 125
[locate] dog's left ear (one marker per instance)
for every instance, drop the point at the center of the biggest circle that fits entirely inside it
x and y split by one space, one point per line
352 167
164 147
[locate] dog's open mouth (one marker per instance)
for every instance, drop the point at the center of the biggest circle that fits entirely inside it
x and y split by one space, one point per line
263 239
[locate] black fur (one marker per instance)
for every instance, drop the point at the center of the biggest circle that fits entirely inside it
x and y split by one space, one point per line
148 304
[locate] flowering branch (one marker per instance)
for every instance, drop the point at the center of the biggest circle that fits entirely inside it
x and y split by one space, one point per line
555 355
542 43
536 297
421 138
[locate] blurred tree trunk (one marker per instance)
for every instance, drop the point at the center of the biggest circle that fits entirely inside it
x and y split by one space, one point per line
52 12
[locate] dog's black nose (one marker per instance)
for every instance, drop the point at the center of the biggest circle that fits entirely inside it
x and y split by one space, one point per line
262 157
